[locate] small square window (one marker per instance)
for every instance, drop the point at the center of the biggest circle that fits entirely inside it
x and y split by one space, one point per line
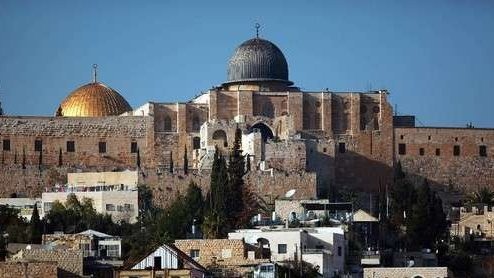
38 145
6 144
133 147
341 147
402 149
429 137
438 152
281 248
483 151
70 146
110 207
102 147
456 150
401 137
324 150
421 151
456 139
194 254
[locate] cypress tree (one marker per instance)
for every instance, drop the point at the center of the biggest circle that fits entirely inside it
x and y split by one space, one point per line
186 162
138 162
40 160
215 219
247 163
236 171
35 227
60 158
24 158
171 163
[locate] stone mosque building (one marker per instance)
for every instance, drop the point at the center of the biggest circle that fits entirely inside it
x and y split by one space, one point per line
314 142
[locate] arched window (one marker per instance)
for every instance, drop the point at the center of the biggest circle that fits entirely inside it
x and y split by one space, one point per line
196 123
219 136
167 123
196 143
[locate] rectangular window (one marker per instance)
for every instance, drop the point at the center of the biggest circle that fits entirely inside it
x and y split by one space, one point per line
102 147
456 150
339 251
128 207
438 152
402 149
483 150
110 207
341 147
421 151
6 144
281 248
70 146
112 250
194 254
38 145
133 147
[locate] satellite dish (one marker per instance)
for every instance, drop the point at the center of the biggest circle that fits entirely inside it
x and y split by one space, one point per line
290 193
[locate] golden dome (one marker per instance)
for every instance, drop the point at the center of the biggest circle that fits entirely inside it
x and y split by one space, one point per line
93 100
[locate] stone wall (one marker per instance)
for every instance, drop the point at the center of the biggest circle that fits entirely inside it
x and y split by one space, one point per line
405 272
69 262
85 134
429 153
28 269
230 255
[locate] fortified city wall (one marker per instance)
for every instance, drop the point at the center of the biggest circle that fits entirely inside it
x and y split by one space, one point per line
429 152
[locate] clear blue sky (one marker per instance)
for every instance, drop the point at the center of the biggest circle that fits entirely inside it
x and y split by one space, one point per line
435 57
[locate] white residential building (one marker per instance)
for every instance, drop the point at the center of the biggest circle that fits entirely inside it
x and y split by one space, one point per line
113 193
24 205
322 247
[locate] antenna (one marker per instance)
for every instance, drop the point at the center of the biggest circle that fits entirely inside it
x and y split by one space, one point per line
257 26
95 73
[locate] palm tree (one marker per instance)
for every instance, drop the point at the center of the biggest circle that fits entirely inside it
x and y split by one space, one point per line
483 195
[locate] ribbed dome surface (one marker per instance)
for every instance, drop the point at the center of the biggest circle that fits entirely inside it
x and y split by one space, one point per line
258 60
93 100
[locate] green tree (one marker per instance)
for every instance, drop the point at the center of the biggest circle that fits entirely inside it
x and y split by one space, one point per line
35 227
235 185
215 218
482 196
403 196
186 162
138 159
171 163
60 161
427 218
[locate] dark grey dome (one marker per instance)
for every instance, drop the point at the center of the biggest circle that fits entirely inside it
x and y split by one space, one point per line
258 60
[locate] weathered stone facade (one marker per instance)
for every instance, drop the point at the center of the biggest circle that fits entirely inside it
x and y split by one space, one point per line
28 269
230 256
405 272
453 158
330 139
69 262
